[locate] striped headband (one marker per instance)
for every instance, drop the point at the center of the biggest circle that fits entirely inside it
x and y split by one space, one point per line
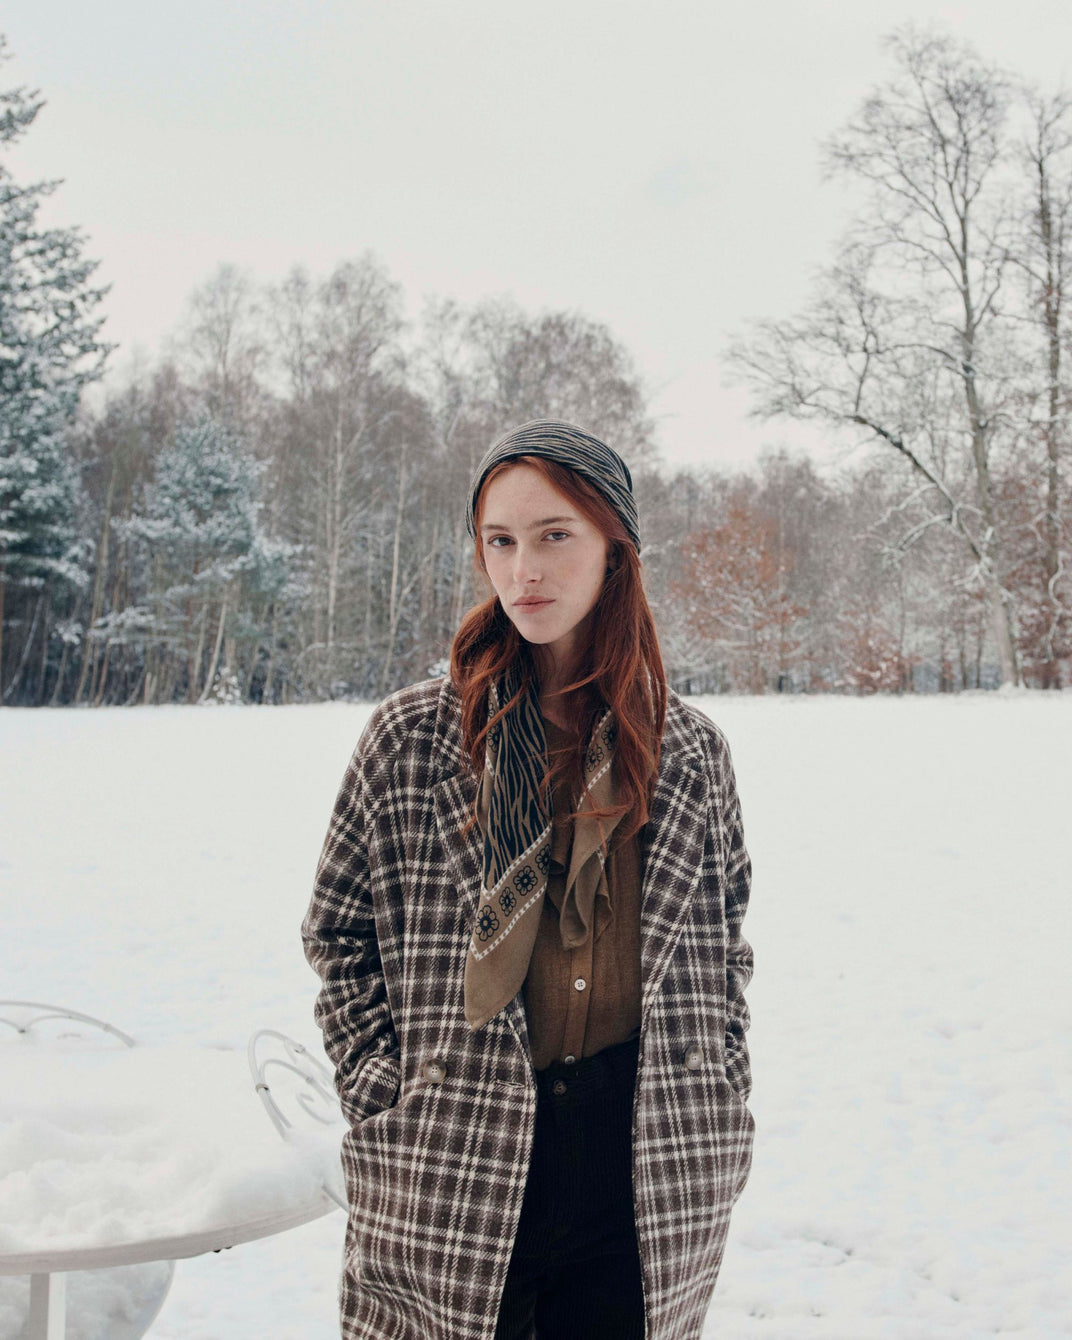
570 446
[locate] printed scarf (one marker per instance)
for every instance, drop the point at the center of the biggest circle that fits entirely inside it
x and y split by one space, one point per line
516 820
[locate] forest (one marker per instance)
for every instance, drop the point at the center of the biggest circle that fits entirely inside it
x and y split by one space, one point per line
271 509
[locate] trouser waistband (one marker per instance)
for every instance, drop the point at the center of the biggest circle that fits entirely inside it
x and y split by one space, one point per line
608 1071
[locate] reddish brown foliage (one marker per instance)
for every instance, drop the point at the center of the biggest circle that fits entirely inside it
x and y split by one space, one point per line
733 592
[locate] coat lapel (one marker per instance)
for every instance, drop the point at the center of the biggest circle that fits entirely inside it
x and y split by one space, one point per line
673 845
454 798
453 801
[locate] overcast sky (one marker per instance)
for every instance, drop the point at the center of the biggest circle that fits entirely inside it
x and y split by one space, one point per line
652 165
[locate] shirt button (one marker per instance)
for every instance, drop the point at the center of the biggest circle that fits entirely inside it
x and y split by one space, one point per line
435 1071
569 1060
559 1087
580 983
694 1057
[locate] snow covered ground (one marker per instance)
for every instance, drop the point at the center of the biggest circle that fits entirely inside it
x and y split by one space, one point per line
912 1029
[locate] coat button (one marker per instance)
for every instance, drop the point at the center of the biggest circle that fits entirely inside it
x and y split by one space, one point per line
694 1057
580 984
559 1087
435 1071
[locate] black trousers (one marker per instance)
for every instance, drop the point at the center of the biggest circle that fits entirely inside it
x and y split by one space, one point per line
575 1269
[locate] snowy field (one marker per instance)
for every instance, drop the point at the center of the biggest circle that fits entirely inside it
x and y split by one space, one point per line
912 1035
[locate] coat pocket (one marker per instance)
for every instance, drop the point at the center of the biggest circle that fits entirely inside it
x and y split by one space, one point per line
739 1134
373 1087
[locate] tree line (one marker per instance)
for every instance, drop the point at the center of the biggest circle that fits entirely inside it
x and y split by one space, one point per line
272 510
940 333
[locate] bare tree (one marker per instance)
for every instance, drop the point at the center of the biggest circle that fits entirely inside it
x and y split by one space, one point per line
905 338
447 372
560 365
1044 257
338 341
223 343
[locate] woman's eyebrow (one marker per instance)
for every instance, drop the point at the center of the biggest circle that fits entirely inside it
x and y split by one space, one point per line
547 521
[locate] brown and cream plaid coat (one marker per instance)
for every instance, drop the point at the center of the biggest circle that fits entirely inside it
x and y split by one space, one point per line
442 1117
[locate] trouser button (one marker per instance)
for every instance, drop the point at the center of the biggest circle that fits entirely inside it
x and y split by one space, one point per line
559 1087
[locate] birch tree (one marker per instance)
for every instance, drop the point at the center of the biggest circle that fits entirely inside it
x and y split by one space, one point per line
223 342
1043 257
560 365
905 337
339 344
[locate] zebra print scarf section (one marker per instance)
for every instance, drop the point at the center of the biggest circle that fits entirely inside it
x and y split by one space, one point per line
517 845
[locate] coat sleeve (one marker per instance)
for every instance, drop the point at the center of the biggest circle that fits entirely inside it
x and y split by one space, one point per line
739 958
339 938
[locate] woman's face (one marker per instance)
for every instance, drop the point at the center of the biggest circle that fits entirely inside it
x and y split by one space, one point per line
546 562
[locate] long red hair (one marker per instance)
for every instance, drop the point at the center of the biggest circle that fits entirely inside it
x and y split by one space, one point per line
620 668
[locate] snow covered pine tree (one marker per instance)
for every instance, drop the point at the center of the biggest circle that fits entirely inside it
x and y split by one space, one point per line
49 350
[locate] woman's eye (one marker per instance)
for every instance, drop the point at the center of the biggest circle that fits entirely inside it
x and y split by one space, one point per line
557 534
494 541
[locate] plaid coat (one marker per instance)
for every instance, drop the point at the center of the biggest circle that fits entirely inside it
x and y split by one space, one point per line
441 1117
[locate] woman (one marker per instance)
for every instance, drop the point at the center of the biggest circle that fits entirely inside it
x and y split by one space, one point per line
527 923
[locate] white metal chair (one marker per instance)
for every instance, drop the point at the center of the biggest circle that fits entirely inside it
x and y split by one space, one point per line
24 1016
128 1298
301 1084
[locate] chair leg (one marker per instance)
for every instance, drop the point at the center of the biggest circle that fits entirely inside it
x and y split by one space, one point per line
48 1307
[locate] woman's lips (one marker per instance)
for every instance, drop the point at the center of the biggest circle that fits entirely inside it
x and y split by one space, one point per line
530 605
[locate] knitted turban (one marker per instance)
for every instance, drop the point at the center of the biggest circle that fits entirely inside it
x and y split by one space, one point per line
570 446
